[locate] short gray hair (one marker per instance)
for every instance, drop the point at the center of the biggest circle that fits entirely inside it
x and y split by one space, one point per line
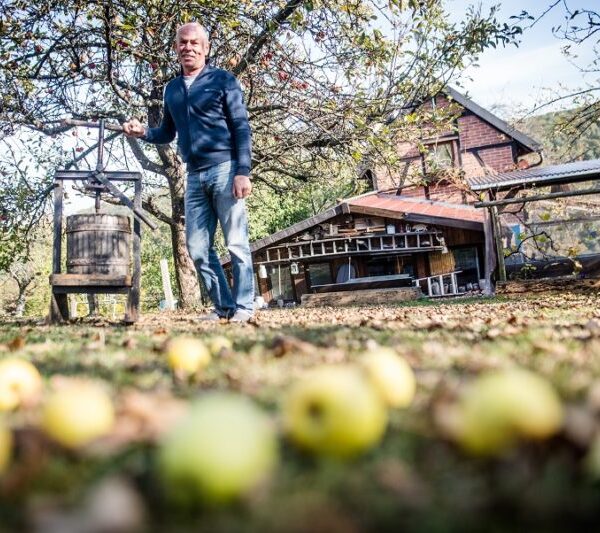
196 25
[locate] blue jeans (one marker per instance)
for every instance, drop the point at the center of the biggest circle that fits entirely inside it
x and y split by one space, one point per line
208 199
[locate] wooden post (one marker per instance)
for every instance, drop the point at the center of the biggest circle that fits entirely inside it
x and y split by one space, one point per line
133 299
59 306
490 254
166 283
72 306
497 232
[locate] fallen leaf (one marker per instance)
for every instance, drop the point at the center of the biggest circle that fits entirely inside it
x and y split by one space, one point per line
17 343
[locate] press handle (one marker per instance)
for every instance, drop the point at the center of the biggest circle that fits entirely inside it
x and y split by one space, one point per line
85 124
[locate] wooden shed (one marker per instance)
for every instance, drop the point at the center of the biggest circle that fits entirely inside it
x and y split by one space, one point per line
373 241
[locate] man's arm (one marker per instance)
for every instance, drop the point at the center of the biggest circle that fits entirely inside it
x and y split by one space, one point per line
237 118
164 134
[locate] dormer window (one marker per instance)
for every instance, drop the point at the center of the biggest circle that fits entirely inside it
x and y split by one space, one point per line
440 156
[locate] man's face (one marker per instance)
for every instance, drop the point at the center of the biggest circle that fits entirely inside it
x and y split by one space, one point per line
192 48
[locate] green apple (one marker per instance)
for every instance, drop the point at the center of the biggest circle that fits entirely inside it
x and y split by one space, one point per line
78 413
218 344
187 355
6 444
334 411
536 407
20 384
391 375
219 451
501 407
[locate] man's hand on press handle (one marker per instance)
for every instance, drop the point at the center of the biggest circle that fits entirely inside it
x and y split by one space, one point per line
134 128
242 186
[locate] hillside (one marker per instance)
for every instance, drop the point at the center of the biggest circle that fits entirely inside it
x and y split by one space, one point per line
562 142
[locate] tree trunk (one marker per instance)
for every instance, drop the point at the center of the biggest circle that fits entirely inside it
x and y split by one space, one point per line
185 272
20 307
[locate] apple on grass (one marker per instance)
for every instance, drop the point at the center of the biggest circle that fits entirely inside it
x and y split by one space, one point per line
20 384
334 411
219 344
6 444
187 355
502 407
391 375
220 450
78 413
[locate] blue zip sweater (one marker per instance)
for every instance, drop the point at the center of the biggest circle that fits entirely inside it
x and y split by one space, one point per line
210 120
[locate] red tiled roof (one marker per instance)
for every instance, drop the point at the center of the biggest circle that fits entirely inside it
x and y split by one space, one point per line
418 206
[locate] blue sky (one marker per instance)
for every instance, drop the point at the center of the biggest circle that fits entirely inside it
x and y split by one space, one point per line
510 81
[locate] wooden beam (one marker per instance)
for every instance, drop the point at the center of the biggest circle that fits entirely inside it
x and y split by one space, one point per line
537 198
497 234
442 221
83 280
369 296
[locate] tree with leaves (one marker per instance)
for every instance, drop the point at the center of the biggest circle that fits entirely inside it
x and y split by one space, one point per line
580 28
323 80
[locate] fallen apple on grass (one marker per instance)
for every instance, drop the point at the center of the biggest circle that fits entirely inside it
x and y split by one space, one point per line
391 375
334 411
187 355
78 413
502 407
219 344
20 384
6 444
220 450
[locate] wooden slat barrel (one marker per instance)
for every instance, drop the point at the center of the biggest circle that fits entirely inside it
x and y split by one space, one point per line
98 244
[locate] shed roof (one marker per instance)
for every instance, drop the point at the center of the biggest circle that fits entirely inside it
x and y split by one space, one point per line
539 176
386 205
418 210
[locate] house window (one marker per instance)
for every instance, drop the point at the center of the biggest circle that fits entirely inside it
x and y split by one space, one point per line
319 274
466 260
440 156
369 178
281 283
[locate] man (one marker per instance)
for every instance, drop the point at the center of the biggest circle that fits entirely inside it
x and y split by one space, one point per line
204 107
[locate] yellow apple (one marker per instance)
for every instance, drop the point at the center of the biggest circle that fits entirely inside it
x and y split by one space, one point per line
501 407
537 410
187 355
77 414
219 343
222 449
20 383
6 444
391 375
334 411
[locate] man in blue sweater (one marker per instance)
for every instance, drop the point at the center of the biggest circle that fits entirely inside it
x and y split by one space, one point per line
204 107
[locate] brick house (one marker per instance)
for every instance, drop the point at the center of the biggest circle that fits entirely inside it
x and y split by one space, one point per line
479 143
400 235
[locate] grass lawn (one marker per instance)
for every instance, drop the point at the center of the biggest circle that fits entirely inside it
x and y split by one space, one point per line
414 480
